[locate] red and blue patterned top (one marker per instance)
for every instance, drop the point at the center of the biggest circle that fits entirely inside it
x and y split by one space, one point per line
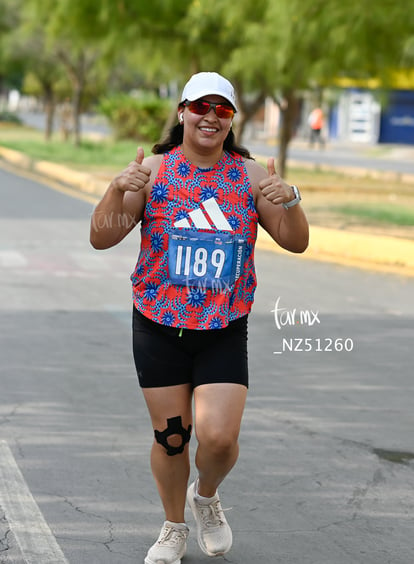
196 269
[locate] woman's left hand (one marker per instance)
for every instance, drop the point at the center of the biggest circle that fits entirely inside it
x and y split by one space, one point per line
274 188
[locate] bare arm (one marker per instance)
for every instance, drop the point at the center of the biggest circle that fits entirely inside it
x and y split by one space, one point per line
288 227
123 204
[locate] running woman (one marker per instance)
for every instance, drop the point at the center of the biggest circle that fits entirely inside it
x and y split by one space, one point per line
199 199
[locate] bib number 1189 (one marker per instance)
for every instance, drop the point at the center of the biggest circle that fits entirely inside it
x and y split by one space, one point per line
199 263
209 259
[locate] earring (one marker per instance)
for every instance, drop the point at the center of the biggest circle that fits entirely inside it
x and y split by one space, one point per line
181 118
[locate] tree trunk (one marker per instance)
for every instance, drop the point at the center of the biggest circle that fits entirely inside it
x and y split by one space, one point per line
246 111
77 107
241 125
171 120
77 72
289 113
49 101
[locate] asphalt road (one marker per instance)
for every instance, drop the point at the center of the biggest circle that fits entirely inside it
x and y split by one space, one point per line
326 471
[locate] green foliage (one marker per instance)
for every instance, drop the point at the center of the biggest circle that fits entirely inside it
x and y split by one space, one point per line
9 117
273 48
140 118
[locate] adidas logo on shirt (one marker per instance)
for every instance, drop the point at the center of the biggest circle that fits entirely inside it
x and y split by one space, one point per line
200 217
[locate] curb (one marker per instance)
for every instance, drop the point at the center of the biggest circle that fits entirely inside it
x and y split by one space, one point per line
372 252
83 181
361 250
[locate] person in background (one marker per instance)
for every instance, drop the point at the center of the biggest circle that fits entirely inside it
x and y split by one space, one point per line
316 122
199 199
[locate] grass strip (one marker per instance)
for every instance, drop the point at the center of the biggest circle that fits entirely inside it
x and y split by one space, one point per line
379 213
90 154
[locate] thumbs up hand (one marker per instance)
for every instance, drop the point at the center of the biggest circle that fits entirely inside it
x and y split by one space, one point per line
140 155
271 166
274 188
135 176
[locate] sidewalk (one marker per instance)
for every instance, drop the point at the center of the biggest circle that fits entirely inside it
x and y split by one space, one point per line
381 253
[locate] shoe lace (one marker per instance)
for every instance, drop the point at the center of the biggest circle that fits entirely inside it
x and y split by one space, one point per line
212 514
171 536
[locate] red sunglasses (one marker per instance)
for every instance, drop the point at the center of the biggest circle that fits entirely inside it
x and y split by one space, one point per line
202 107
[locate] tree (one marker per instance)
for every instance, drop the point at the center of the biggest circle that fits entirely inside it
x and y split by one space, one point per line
302 44
54 53
266 48
89 37
79 61
27 46
10 69
217 34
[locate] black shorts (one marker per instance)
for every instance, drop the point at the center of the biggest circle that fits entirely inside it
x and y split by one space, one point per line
164 358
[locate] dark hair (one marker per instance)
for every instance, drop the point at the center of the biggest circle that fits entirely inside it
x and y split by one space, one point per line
175 138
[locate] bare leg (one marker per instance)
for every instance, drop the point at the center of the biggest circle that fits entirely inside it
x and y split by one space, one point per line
171 473
218 412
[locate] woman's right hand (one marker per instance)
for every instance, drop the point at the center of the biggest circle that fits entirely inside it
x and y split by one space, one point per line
134 177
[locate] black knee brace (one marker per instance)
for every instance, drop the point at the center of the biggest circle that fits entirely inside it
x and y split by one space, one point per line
174 427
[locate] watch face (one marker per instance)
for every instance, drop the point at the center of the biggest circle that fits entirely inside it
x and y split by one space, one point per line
295 200
296 192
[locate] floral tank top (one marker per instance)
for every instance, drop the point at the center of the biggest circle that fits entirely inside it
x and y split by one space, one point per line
196 269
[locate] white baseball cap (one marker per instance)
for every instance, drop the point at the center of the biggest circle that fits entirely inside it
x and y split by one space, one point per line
204 83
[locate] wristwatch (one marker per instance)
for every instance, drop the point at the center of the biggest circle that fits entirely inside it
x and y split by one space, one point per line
295 200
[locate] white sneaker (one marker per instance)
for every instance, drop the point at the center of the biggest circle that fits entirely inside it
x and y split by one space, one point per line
214 535
170 546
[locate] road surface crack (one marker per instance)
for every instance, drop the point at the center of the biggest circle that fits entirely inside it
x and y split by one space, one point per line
110 527
6 532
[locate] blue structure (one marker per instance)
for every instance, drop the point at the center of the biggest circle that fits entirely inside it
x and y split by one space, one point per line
397 118
360 117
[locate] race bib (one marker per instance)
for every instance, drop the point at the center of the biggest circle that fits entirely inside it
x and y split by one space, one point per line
209 260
